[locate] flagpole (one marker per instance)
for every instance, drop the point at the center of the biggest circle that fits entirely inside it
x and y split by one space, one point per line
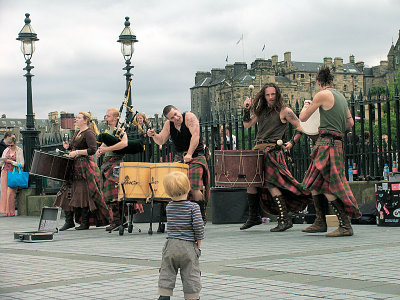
243 46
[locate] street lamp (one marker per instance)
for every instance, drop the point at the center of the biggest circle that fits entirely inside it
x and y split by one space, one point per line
30 136
127 40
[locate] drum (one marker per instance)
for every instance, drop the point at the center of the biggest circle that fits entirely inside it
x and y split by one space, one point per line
158 172
311 126
239 168
135 177
51 166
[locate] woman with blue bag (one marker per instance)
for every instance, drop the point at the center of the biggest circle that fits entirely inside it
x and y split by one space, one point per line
11 158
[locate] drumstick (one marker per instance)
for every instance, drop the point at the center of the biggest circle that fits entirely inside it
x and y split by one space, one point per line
251 88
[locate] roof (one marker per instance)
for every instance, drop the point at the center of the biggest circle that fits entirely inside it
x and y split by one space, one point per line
281 79
311 67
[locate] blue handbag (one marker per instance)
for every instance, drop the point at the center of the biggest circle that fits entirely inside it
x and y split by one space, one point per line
17 179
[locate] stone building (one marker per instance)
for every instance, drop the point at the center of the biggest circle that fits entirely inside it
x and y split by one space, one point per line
226 89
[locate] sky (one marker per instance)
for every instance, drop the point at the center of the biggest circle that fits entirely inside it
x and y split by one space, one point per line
78 62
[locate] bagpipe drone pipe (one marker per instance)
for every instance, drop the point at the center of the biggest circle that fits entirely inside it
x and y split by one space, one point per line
134 145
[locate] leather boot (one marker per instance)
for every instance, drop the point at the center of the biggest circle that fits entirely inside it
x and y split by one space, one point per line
254 212
116 216
69 220
284 222
321 208
163 218
344 228
85 219
203 206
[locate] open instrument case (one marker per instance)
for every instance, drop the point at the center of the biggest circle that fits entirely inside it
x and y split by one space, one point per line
47 227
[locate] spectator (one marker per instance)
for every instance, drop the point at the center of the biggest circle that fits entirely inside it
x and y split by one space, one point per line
10 158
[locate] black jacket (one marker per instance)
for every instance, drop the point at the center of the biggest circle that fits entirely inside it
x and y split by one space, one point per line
3 147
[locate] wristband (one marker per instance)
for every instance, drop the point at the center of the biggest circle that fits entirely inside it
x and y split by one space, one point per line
246 115
294 135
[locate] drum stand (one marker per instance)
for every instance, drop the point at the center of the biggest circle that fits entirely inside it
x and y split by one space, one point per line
129 222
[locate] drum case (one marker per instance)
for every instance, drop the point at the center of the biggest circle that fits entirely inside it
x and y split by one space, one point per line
46 229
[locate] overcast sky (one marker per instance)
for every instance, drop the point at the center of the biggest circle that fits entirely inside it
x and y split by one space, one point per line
78 62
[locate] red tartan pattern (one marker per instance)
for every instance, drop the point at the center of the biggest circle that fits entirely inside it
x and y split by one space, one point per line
86 169
326 175
199 175
276 174
110 182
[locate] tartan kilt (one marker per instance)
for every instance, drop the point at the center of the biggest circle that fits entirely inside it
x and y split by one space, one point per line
277 175
199 175
326 175
109 182
86 175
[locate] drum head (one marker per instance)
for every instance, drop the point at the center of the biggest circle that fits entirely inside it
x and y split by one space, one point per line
311 126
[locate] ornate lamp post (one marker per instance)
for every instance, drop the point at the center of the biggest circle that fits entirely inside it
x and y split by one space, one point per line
30 136
127 40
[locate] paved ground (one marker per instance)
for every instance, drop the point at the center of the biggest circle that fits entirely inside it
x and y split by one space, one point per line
255 264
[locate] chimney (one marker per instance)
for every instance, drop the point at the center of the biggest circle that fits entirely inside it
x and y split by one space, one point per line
200 76
351 59
384 63
360 65
287 57
274 59
338 62
216 72
328 61
239 67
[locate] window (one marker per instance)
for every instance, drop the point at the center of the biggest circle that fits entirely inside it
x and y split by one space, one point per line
345 88
294 76
344 77
301 75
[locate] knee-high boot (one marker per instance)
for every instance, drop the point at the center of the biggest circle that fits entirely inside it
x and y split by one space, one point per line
85 219
344 228
69 220
203 207
284 222
321 208
116 213
254 212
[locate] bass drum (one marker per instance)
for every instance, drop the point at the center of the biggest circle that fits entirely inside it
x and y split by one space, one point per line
51 166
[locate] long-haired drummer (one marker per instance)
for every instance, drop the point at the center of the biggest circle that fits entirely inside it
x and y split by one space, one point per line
109 179
81 196
281 191
184 130
325 176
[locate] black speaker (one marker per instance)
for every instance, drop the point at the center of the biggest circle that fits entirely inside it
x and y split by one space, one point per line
229 205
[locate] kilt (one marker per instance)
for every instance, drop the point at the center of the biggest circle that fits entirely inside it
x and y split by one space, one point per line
277 175
326 174
199 175
84 191
109 182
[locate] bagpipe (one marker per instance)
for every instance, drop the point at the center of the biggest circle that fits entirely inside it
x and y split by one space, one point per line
134 145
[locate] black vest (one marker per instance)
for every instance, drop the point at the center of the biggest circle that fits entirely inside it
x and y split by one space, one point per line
181 139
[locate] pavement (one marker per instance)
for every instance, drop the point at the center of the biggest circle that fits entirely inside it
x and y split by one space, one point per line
252 264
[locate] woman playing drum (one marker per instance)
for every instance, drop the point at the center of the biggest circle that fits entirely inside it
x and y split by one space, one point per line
81 196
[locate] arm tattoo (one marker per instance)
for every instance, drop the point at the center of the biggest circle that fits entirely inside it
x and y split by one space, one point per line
291 115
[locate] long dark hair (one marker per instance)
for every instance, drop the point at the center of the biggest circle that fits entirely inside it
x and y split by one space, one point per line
324 76
260 103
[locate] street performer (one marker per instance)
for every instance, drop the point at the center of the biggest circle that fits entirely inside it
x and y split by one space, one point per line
325 176
109 180
281 191
184 130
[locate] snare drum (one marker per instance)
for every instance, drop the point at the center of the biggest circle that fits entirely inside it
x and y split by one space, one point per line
51 166
239 168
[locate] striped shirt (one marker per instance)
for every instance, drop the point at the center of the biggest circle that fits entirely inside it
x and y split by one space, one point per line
184 221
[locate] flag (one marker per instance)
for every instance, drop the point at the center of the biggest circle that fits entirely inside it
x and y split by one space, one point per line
263 48
226 59
241 39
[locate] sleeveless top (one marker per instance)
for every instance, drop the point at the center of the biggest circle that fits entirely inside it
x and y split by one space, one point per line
181 138
270 126
335 118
